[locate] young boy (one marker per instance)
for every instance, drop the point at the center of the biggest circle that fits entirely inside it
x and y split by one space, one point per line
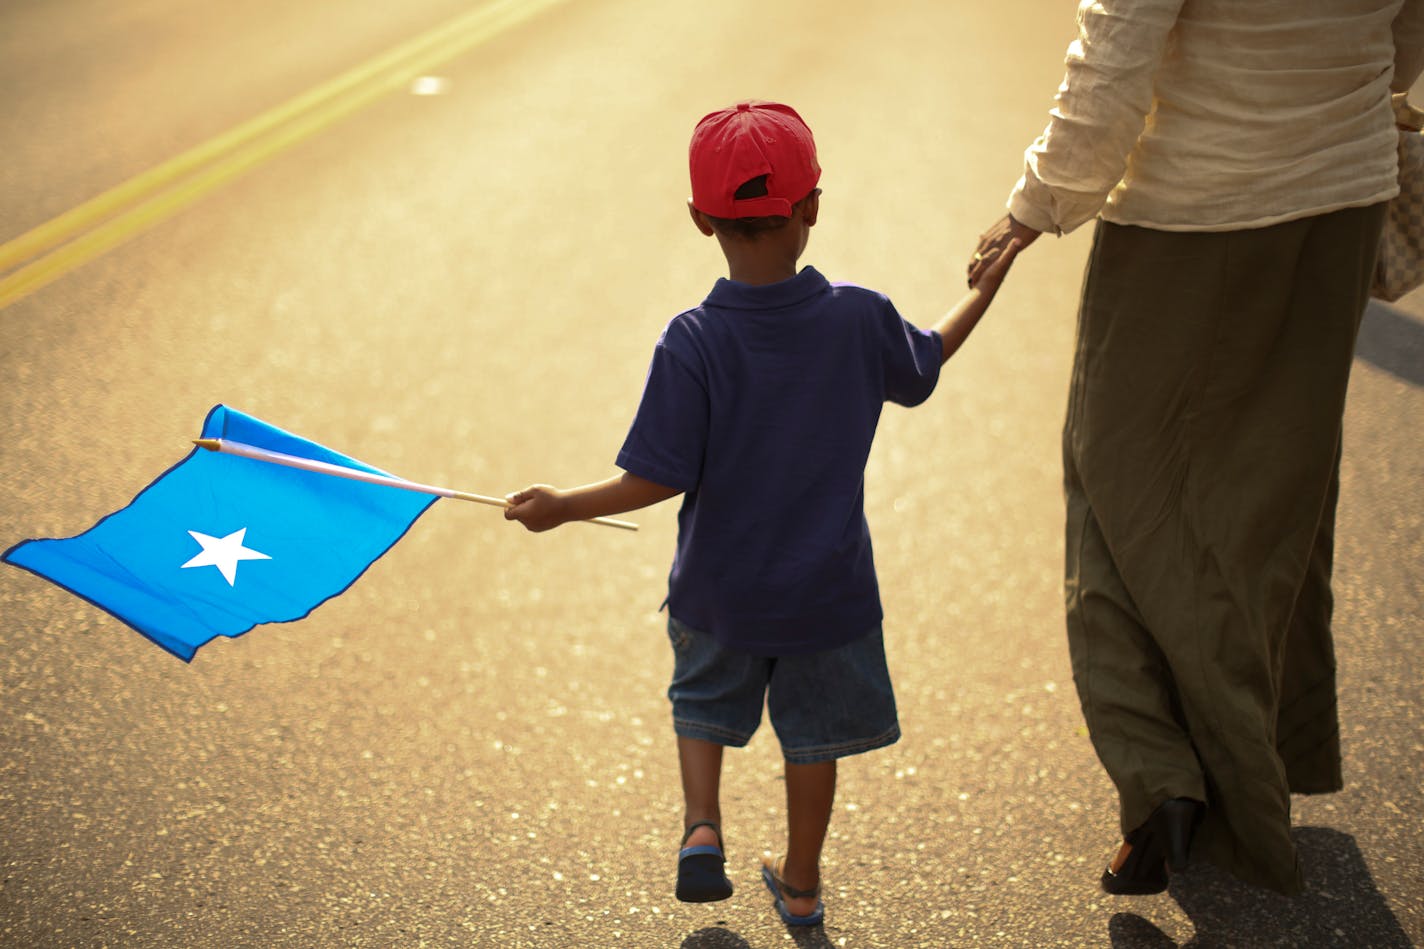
759 408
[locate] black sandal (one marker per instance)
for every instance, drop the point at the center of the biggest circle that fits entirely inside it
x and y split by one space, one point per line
701 877
1162 843
1140 866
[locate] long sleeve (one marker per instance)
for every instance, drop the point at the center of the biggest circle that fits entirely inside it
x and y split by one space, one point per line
1101 109
1211 115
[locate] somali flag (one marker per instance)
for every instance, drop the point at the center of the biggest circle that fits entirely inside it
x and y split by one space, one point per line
220 543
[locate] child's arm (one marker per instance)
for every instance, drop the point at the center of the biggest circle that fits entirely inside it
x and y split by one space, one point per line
955 326
541 507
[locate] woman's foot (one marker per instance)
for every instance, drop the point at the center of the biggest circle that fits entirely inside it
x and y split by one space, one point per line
1139 868
1163 841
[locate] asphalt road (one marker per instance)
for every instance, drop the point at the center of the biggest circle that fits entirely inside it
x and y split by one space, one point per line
471 747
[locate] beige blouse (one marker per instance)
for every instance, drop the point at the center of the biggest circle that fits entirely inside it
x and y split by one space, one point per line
1209 115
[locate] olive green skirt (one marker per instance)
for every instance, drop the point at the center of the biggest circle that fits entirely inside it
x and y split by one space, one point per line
1201 467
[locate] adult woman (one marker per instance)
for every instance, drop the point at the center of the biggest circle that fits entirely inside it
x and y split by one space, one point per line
1239 155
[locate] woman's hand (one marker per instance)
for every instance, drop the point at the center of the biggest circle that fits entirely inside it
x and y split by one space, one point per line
994 243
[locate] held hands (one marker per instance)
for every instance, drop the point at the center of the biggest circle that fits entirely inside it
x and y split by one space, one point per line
995 251
539 507
994 268
959 322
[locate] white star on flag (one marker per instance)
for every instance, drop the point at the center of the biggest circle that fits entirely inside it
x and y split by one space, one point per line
224 553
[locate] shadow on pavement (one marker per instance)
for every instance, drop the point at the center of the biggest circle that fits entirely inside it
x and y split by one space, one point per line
1130 931
1340 906
715 937
1392 341
810 938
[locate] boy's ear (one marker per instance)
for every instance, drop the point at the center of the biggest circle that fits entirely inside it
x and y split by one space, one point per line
700 219
811 206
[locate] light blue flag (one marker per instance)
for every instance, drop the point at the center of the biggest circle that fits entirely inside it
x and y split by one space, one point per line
219 543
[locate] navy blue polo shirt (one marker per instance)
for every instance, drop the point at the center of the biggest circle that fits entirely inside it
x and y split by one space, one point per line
761 405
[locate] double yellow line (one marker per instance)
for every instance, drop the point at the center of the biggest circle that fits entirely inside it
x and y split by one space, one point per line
44 254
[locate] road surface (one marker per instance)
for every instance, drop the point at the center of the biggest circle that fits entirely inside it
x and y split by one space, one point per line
472 747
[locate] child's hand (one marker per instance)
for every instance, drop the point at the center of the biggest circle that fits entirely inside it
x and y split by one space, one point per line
539 507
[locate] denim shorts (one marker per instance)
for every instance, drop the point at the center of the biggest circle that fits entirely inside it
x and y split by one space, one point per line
823 705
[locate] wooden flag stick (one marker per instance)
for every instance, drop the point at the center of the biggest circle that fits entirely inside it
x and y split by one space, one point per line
229 447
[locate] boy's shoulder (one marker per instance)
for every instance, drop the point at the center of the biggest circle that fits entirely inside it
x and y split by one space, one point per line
858 292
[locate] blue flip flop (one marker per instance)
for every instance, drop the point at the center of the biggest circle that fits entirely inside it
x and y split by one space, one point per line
701 877
780 889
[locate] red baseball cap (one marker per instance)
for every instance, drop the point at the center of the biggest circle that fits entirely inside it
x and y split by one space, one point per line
734 145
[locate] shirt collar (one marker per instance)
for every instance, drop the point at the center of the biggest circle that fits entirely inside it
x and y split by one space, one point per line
730 294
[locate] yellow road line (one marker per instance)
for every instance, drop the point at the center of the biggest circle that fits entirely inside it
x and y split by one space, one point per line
98 225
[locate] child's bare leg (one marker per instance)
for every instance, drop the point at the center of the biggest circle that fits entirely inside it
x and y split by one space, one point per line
810 792
701 763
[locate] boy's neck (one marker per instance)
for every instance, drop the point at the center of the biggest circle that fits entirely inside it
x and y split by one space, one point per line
761 261
758 274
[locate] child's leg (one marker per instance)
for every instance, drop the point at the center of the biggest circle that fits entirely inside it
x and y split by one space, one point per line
701 861
701 763
810 792
824 706
717 697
